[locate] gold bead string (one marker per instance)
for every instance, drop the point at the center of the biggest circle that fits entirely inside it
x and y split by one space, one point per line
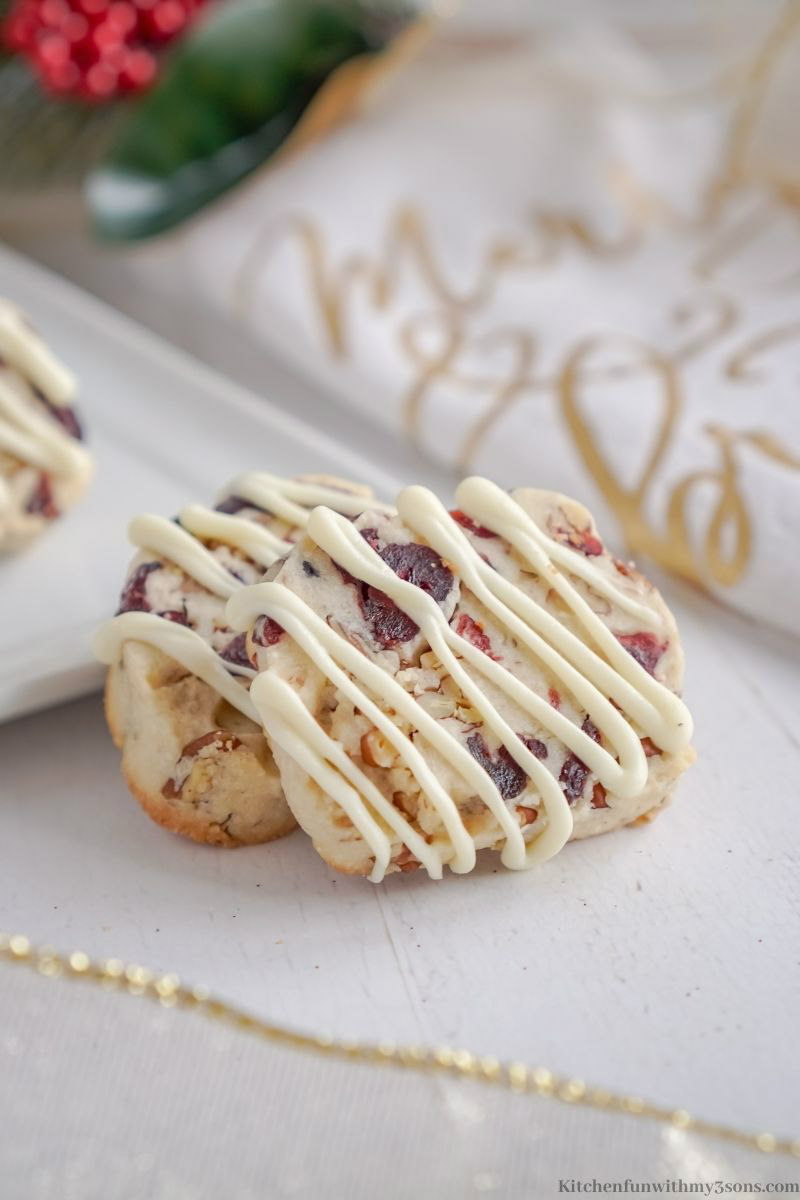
113 975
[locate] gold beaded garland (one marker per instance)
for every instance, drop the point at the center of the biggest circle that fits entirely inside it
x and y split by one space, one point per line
167 989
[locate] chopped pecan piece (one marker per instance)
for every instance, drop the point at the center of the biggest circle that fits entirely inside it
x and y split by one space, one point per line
221 741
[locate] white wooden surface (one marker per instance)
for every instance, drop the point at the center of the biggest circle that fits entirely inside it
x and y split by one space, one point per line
662 960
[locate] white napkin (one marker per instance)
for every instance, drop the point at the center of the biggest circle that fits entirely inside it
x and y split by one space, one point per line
567 257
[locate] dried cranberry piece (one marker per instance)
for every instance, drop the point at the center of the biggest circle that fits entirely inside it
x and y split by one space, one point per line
472 632
589 727
389 624
236 651
411 562
651 750
579 539
234 504
506 774
644 647
66 416
553 698
574 770
41 503
133 597
177 615
589 544
466 522
573 777
266 632
536 747
421 566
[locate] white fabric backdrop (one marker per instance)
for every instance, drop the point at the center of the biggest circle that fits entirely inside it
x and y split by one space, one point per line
568 257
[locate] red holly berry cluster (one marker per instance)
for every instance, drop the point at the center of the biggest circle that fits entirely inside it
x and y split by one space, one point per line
95 49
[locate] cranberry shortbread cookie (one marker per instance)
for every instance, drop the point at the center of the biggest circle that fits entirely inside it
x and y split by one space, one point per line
44 468
432 683
177 702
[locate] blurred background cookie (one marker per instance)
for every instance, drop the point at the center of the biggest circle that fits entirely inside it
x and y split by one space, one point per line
44 468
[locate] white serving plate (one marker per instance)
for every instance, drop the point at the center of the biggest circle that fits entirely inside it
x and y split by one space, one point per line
659 961
164 430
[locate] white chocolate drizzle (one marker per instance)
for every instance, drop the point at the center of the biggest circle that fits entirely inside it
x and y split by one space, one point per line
592 679
28 433
183 544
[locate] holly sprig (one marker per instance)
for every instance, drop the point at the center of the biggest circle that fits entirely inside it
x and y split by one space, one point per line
157 132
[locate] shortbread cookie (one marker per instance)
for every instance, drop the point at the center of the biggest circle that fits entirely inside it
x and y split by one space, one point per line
177 702
434 683
44 468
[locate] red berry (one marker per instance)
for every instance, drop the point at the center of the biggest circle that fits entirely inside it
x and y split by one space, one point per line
52 51
62 77
100 81
92 8
122 17
115 56
169 17
53 12
19 29
105 35
138 70
74 27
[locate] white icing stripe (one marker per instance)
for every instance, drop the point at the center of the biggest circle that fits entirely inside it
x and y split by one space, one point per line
159 536
180 643
23 349
170 541
291 499
643 699
32 436
252 539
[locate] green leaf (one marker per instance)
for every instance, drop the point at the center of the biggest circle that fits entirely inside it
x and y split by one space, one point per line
231 94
